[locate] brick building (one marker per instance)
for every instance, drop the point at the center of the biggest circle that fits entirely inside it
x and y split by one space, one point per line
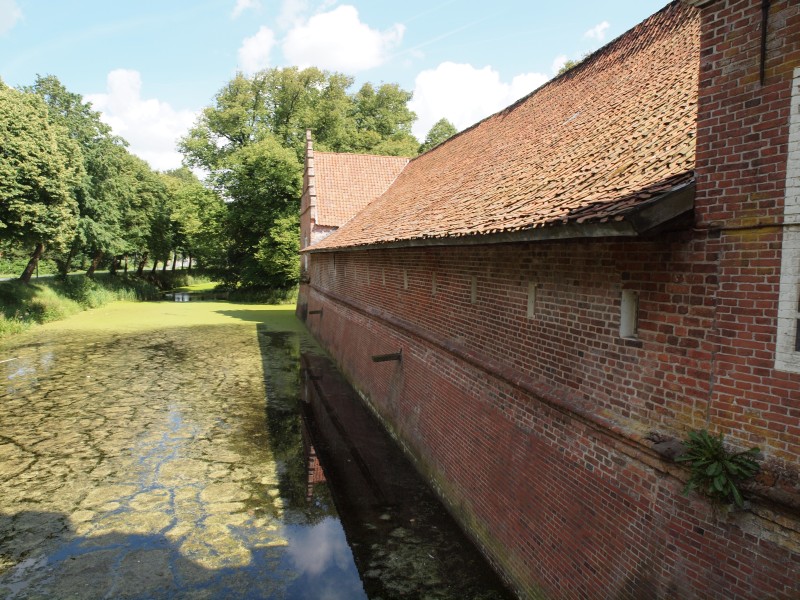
575 283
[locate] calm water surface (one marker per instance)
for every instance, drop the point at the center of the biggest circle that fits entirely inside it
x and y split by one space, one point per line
207 450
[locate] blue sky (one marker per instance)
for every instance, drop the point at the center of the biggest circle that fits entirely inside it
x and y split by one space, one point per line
151 65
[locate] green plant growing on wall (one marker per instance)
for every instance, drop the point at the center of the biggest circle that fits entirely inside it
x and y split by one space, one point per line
715 471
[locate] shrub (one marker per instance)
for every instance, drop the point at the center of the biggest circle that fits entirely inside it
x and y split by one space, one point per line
715 471
11 325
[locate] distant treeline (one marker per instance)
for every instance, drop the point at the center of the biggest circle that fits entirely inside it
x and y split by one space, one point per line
70 189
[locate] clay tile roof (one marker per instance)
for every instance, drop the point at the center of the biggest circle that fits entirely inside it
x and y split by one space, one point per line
588 146
346 183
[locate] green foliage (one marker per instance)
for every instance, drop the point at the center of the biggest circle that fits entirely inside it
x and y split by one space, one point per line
40 168
441 131
715 471
196 216
13 260
11 325
277 252
102 190
252 143
264 182
22 305
263 295
34 303
571 64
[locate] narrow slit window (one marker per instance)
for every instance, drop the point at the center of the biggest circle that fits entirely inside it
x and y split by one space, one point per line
531 300
629 314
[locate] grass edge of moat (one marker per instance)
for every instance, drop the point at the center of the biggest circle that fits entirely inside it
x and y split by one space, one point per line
45 300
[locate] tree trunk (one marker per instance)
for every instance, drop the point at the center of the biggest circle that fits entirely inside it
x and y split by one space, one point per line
164 268
142 263
190 263
114 261
126 264
32 263
98 256
64 267
155 265
174 260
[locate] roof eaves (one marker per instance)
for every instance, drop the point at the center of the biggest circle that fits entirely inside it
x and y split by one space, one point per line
637 221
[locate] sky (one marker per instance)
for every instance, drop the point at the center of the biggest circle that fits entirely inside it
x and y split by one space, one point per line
151 66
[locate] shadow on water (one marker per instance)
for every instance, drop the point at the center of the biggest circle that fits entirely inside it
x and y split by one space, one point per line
120 565
403 541
199 474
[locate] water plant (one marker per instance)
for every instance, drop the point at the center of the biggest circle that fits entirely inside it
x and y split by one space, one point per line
717 472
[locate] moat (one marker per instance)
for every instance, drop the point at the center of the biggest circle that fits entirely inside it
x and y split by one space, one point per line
208 450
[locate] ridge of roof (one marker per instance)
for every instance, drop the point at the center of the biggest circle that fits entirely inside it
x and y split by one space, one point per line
583 148
570 72
365 154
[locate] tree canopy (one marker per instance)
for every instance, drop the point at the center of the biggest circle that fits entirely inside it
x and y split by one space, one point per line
68 185
251 141
40 170
441 131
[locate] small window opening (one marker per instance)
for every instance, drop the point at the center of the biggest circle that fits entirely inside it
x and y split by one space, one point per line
531 299
629 314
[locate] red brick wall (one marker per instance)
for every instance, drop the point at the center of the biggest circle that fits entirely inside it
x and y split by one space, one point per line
742 138
538 431
534 430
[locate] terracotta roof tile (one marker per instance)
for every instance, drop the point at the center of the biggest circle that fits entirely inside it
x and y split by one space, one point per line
587 146
346 183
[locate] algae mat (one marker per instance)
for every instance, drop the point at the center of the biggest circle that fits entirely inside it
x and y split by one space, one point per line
135 460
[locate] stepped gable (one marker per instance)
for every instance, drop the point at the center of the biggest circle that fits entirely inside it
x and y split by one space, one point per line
347 183
594 145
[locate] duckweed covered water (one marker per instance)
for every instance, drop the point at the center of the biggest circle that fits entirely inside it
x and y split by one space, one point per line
184 450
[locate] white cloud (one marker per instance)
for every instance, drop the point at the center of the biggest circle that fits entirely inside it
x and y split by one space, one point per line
150 126
254 52
464 95
243 5
314 550
10 13
598 32
292 12
339 41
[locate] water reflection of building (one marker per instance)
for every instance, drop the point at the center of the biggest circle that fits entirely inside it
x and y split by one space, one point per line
314 471
403 541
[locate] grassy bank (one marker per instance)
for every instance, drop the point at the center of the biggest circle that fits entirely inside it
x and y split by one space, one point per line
53 299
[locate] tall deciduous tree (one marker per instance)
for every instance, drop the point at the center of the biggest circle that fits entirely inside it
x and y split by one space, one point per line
441 131
41 167
197 215
264 182
105 188
237 140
